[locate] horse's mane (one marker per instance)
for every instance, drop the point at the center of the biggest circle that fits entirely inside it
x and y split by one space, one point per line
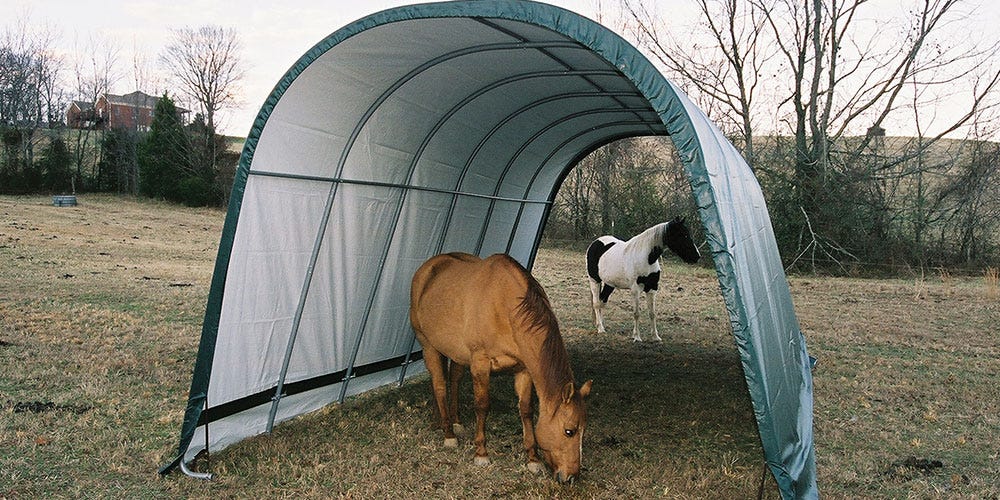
536 313
649 242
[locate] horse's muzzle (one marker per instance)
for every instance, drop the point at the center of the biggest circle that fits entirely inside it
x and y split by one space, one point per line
565 478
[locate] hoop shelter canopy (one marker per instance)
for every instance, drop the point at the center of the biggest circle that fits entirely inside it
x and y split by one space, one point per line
449 127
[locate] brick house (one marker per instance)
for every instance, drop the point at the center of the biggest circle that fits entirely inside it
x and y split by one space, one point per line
130 111
81 115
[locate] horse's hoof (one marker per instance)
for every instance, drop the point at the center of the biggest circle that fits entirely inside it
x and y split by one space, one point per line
536 468
451 442
636 339
482 460
458 428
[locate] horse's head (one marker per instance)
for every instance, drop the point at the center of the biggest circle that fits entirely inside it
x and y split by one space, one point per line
678 239
560 434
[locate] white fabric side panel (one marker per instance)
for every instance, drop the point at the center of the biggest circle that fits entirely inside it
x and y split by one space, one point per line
388 332
466 224
527 231
437 174
420 229
274 241
346 272
500 227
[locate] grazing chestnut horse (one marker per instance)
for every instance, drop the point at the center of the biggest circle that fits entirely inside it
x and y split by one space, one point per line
491 315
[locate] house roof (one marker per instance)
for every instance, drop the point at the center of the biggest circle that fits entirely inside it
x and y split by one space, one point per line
138 99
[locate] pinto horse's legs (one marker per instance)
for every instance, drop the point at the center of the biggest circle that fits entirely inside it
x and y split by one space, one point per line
635 315
455 372
598 304
435 363
522 386
651 305
480 368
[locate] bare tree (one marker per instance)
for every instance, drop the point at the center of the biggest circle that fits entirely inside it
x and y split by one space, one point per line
207 66
143 74
841 78
622 188
30 95
833 89
728 74
95 71
970 196
832 69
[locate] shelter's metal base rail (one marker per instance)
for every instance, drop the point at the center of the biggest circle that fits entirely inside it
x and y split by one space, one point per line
197 475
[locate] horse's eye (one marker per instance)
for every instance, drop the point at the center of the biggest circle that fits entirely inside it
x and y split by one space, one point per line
570 432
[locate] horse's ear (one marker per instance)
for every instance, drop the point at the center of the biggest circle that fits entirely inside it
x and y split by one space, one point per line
567 392
585 388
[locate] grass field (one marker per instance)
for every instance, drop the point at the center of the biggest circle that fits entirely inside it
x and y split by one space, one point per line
100 315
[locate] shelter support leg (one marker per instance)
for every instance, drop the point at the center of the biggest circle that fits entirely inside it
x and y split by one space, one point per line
480 368
523 385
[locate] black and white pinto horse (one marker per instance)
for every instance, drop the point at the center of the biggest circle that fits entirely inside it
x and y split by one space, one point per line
635 265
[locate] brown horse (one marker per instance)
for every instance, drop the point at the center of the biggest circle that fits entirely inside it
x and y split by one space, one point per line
491 315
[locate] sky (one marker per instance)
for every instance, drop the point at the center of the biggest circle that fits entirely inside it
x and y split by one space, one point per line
274 34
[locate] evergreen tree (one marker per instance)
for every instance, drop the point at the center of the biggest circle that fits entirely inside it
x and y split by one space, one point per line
118 170
11 175
208 152
54 167
164 153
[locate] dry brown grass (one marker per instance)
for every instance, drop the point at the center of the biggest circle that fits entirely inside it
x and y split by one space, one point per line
991 277
100 313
